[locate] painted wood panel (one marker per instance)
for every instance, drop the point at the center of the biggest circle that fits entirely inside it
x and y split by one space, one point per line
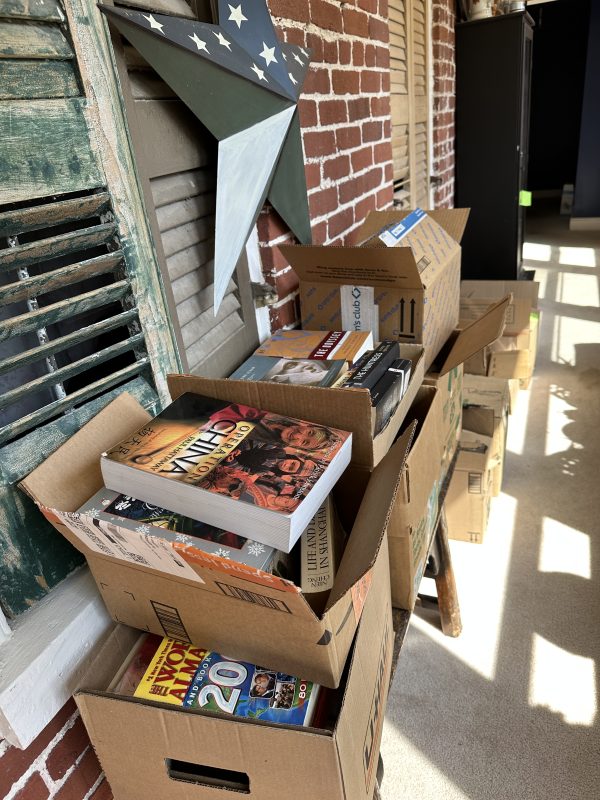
34 79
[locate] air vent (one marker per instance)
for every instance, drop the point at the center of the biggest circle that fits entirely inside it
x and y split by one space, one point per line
69 328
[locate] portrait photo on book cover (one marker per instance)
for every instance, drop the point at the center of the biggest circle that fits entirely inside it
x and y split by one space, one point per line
263 685
300 372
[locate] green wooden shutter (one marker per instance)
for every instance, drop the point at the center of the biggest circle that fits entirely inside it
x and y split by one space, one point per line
83 314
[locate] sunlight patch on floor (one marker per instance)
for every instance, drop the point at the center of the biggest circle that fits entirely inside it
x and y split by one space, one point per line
517 425
564 549
532 251
577 289
577 256
567 332
556 440
563 682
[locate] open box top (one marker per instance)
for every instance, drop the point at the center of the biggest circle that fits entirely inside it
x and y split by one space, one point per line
476 295
147 585
371 263
344 409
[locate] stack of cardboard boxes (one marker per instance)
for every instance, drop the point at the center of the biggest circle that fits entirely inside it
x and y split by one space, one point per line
387 499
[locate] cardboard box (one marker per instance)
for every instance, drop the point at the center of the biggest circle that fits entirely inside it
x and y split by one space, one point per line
147 585
467 503
151 750
415 288
476 296
348 410
486 404
449 387
515 356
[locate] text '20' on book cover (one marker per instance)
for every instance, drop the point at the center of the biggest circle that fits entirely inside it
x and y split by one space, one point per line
258 474
184 675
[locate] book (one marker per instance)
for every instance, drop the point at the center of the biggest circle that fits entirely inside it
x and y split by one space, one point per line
137 515
322 345
255 473
366 374
192 677
389 390
320 554
294 371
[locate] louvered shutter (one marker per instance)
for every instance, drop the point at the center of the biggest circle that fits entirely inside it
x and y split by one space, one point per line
410 101
82 315
177 162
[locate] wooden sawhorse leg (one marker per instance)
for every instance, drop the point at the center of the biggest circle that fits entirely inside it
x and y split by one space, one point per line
445 582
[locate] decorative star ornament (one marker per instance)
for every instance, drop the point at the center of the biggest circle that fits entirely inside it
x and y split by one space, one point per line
243 84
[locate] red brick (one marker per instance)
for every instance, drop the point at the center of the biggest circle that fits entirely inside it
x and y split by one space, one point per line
368 5
290 9
34 789
319 232
356 23
308 113
81 780
322 202
380 106
330 51
382 57
382 152
362 208
370 55
332 111
383 8
270 226
285 284
339 223
348 138
15 762
345 52
272 260
385 81
358 54
345 81
387 128
388 171
319 143
361 159
326 15
336 168
385 196
371 131
103 792
359 109
370 82
313 175
352 189
287 314
315 45
378 29
294 36
317 81
67 751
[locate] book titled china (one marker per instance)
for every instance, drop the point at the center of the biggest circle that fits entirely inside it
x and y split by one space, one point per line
251 472
185 675
321 345
137 515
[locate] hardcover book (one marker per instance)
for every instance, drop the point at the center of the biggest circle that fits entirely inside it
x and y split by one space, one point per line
320 554
296 371
366 375
137 515
187 676
389 390
332 345
254 473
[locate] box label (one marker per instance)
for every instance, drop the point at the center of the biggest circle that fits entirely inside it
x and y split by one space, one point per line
359 312
395 233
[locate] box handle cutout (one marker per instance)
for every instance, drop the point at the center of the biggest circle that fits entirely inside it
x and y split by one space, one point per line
208 776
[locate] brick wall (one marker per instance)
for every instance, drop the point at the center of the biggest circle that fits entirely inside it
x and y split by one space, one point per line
59 764
444 73
345 117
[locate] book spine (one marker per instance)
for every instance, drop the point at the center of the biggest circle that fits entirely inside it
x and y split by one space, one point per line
317 552
388 391
376 365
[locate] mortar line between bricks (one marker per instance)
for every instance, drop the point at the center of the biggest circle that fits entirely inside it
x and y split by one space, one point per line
58 785
38 765
95 786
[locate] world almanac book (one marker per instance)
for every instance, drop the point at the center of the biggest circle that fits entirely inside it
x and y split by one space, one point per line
252 472
185 675
137 515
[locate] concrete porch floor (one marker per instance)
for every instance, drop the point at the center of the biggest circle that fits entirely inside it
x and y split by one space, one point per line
509 709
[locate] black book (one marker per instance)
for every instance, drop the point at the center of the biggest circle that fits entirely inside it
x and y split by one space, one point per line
389 390
374 368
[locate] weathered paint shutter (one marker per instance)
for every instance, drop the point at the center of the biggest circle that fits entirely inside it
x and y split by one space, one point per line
82 313
177 164
409 66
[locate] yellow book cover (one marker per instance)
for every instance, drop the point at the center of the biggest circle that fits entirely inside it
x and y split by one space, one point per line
341 345
171 672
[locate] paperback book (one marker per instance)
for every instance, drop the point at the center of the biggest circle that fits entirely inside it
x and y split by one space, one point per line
389 390
255 473
184 675
321 345
137 515
373 365
293 371
320 553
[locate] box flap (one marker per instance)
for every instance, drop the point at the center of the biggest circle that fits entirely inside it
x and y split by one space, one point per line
71 475
372 518
474 452
480 390
387 266
527 290
453 220
474 337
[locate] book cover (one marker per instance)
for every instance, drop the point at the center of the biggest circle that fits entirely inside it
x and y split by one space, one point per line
293 371
187 676
137 515
389 390
368 373
251 456
343 345
135 665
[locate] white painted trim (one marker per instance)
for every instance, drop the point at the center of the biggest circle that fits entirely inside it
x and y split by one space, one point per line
263 320
50 648
584 224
